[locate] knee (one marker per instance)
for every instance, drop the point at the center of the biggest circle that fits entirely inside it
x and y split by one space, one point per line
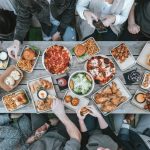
70 34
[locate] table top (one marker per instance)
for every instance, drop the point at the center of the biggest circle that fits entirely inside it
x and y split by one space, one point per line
39 71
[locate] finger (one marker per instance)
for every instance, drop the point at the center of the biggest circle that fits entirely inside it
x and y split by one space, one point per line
10 54
91 23
94 17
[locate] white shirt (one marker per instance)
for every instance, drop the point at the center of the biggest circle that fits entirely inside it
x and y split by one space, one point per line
82 5
7 5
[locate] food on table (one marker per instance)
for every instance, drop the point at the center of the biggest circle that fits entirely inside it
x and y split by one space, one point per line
15 75
146 81
80 50
3 56
44 105
9 81
121 53
42 94
28 59
62 82
68 98
81 83
75 101
84 110
57 59
46 84
15 100
140 97
148 60
101 68
29 54
109 98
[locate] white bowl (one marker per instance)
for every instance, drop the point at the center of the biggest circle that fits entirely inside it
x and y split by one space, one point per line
93 83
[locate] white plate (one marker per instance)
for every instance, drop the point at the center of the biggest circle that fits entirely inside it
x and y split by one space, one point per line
139 105
34 96
142 59
84 58
125 92
93 83
28 102
83 102
128 63
68 66
143 81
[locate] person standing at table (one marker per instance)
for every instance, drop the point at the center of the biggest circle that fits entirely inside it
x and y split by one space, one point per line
56 18
113 14
138 26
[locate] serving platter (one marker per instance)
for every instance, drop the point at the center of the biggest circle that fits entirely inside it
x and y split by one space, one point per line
123 93
46 84
129 61
82 101
12 94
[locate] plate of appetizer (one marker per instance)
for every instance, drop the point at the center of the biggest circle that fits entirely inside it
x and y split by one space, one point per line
111 97
42 92
15 100
81 83
10 78
4 59
57 59
28 58
84 110
146 81
123 57
101 68
141 100
86 49
74 102
144 57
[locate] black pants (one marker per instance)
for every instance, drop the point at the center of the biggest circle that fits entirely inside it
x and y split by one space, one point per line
127 36
107 36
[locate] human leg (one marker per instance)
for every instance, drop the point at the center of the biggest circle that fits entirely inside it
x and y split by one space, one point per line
70 34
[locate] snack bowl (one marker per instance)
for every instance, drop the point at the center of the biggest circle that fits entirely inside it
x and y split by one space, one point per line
4 59
81 83
50 55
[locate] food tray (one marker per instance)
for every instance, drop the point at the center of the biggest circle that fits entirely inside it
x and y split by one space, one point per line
82 103
7 73
146 72
85 66
35 61
68 66
123 89
28 101
34 96
83 58
142 59
128 63
135 103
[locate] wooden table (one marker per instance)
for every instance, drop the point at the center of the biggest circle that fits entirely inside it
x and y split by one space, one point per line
39 71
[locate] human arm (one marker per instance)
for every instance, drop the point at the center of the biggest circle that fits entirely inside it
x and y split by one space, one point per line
72 130
133 28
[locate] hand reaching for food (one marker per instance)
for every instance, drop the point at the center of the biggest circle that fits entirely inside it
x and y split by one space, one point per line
82 113
14 49
93 111
90 17
109 20
133 28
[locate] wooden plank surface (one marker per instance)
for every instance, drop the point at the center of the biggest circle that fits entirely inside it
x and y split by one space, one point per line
39 71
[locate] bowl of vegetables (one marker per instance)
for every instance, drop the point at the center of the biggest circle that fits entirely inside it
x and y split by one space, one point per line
81 83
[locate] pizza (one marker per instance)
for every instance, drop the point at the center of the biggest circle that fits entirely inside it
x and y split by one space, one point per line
57 59
101 68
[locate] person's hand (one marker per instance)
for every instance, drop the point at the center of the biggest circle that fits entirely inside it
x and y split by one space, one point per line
90 17
58 108
109 20
14 49
133 28
94 112
56 37
81 117
101 148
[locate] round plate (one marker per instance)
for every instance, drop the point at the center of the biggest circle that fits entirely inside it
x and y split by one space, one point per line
93 83
66 68
104 80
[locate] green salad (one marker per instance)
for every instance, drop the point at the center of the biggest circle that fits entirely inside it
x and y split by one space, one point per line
82 83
